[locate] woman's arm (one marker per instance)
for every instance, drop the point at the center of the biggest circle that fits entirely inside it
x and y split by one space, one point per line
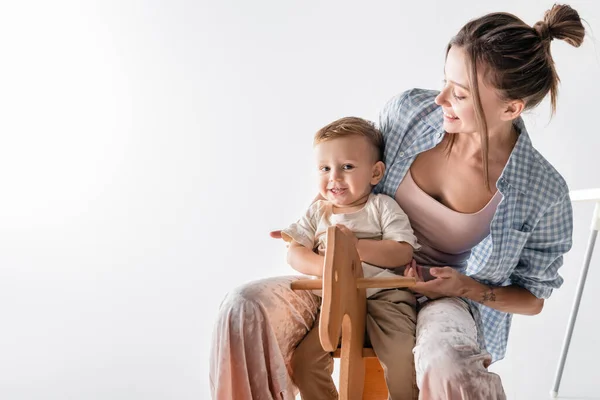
304 260
536 273
510 299
533 278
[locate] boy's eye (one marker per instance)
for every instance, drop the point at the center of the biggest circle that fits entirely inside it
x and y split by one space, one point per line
347 167
324 169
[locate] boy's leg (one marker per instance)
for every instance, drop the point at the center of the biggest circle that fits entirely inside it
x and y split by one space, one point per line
312 368
391 322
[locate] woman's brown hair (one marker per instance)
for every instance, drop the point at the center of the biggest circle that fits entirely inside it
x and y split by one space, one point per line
515 58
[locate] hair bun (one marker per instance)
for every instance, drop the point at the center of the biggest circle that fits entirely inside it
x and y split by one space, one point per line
561 22
543 30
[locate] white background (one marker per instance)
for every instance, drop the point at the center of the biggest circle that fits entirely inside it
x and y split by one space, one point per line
147 148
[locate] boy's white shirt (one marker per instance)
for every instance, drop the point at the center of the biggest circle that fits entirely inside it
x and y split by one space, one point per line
381 218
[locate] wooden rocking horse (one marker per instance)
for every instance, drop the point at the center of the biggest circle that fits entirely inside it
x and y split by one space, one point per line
343 314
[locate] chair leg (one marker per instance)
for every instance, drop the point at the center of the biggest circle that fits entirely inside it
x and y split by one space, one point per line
375 386
574 312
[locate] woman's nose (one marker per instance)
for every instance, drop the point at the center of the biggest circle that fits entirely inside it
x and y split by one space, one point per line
442 98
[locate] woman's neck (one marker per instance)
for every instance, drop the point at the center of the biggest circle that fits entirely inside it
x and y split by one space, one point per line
501 141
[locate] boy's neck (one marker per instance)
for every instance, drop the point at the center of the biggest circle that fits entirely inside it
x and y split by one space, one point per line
353 207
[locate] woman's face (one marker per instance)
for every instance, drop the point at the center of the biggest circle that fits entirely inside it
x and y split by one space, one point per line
456 97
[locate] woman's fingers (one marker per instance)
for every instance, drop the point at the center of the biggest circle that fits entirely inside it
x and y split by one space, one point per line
442 272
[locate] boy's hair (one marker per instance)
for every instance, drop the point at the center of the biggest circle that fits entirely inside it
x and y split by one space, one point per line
349 126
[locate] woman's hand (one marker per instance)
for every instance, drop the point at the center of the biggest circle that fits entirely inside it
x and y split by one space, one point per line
448 282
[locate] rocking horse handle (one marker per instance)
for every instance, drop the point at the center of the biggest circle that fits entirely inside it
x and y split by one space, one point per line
341 270
344 311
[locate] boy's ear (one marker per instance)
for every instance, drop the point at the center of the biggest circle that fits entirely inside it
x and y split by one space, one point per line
378 171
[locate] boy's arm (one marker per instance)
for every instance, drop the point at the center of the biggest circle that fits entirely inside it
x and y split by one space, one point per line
384 253
381 253
398 239
304 260
277 234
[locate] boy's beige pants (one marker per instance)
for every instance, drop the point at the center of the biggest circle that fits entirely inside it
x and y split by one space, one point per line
391 321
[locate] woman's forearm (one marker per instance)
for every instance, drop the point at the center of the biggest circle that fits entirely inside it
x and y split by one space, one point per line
511 299
304 260
384 253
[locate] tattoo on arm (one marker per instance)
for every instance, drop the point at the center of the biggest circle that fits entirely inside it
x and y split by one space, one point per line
488 295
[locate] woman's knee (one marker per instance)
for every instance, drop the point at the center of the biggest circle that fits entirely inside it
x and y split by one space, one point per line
248 306
433 363
445 363
450 377
439 358
254 294
241 308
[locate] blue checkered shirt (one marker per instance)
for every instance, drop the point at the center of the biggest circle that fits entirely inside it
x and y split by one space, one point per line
533 224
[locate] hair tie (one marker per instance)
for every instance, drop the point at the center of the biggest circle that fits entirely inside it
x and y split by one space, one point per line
543 30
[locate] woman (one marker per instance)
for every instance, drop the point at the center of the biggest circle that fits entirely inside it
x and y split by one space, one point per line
461 165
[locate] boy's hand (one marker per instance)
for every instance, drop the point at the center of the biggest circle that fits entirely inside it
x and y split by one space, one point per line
275 234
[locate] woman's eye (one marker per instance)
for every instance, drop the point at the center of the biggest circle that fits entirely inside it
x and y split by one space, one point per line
457 97
347 167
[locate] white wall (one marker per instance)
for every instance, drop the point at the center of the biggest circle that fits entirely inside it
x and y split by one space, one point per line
147 148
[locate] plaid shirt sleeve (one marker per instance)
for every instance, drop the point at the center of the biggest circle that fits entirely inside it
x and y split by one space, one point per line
542 256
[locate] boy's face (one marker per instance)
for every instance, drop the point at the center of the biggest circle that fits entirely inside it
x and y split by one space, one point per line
347 169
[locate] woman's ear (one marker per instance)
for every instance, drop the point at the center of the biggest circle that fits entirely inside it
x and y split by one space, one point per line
513 110
378 171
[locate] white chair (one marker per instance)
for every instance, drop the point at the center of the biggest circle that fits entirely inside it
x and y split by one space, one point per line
576 196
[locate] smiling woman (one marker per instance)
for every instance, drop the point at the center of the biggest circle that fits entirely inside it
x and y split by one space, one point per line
456 157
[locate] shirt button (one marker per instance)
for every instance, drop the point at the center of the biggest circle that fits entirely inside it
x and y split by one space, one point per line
401 154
